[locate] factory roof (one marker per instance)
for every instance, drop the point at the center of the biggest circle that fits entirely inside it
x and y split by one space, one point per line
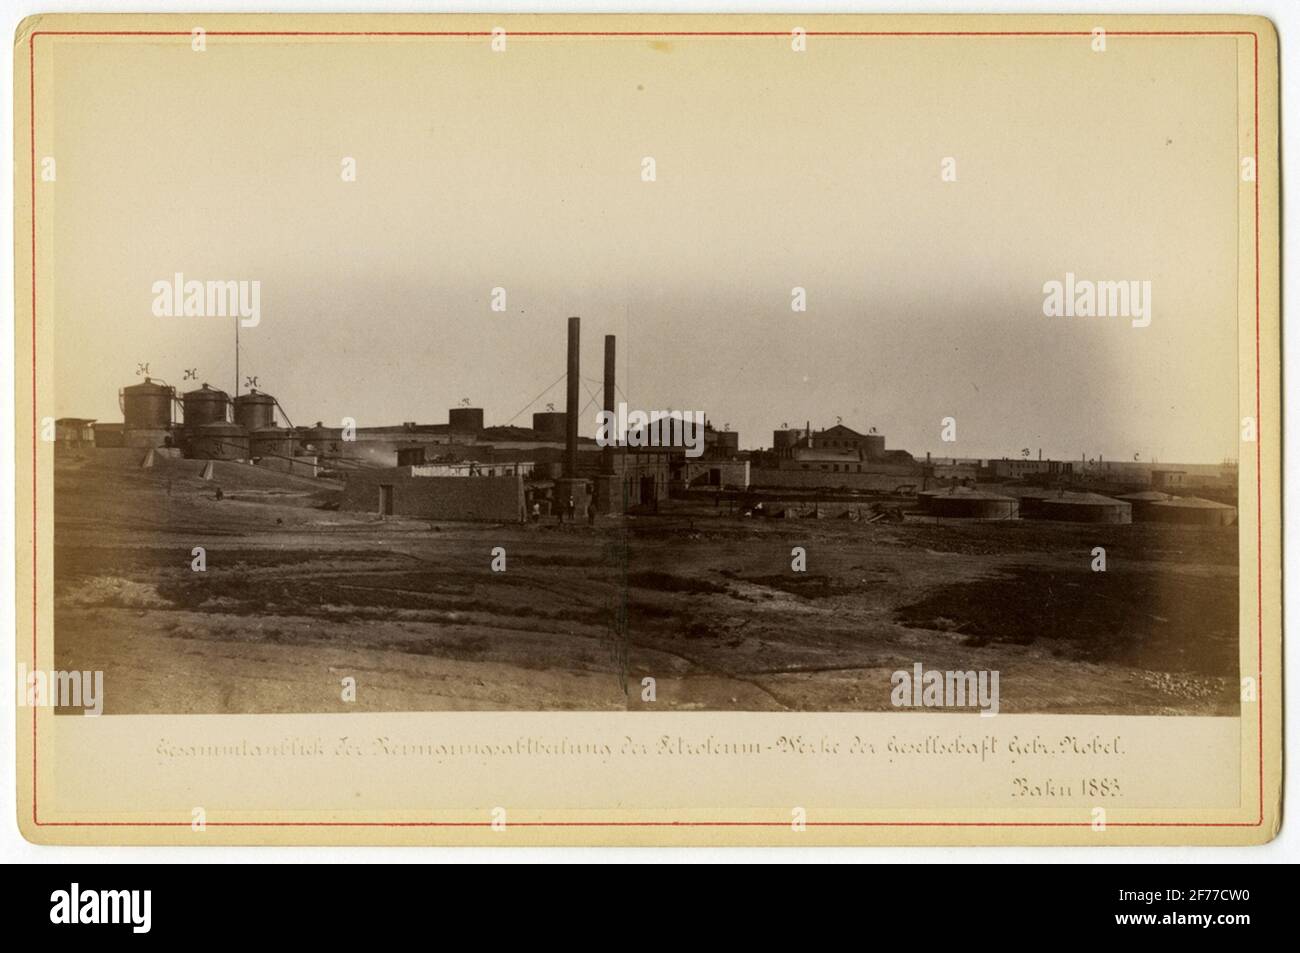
839 430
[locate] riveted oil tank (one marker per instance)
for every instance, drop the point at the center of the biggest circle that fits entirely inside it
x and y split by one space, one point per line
1031 504
273 442
1085 508
255 410
465 419
873 445
320 439
785 439
147 406
1194 511
204 406
219 440
726 443
550 423
964 503
1143 502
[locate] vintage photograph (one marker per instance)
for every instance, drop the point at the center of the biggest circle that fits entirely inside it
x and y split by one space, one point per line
776 372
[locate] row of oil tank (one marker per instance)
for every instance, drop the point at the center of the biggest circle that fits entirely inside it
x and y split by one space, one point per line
214 426
1146 506
149 405
222 440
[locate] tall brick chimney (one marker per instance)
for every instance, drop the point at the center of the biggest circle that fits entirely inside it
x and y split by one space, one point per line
608 460
571 402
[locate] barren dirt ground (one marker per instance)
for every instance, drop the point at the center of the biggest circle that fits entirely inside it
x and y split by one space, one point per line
296 597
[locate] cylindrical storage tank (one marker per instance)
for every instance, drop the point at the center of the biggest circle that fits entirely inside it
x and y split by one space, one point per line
319 435
219 440
1142 503
277 443
465 419
1193 511
146 438
873 446
1086 508
1031 505
147 406
551 423
320 440
963 503
255 411
726 442
784 439
204 406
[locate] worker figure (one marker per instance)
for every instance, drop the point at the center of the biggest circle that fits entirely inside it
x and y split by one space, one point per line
591 512
572 508
537 511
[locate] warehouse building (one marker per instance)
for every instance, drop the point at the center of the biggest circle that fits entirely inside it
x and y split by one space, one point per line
404 491
846 443
74 433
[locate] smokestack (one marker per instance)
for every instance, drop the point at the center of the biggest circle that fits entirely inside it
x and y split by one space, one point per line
609 396
571 403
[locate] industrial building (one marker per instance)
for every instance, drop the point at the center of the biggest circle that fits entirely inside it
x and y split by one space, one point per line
722 473
838 457
73 433
467 469
404 491
1009 468
839 445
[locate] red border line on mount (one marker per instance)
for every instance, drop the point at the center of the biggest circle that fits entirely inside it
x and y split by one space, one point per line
1259 493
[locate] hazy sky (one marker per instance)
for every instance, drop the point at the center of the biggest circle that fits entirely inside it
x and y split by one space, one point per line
774 169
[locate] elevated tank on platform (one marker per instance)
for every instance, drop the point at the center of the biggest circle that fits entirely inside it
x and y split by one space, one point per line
255 410
204 406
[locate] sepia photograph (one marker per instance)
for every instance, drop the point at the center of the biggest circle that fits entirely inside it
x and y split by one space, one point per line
406 372
621 429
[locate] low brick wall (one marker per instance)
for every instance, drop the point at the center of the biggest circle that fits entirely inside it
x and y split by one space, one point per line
730 472
490 499
883 477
